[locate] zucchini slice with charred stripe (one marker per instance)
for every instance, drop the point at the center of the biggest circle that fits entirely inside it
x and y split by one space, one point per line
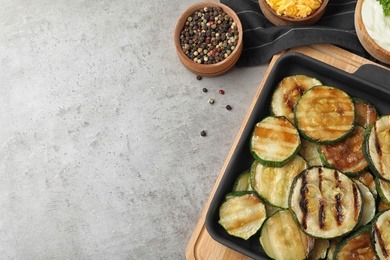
357 245
366 113
281 238
275 141
347 155
380 238
288 92
325 202
273 183
377 147
242 214
325 114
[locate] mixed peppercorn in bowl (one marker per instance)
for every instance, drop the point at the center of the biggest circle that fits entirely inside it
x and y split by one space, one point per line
208 38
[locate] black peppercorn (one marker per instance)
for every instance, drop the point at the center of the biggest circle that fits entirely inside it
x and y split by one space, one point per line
228 107
203 133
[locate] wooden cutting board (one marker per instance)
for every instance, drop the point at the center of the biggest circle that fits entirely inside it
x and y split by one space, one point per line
201 246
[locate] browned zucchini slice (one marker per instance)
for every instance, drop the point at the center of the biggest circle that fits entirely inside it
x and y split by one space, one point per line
366 113
357 245
325 114
377 147
380 238
275 141
347 155
288 92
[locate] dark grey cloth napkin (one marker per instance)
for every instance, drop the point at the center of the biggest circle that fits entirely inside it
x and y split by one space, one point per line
262 39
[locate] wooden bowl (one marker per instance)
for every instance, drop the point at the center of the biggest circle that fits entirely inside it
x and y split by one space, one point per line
208 70
279 20
368 43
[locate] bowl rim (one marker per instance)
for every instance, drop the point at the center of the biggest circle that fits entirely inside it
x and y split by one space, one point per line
190 10
364 32
292 20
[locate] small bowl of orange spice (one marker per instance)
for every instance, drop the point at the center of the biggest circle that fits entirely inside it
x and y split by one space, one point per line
293 12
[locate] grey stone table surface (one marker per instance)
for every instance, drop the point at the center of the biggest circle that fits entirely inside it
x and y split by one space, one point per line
100 149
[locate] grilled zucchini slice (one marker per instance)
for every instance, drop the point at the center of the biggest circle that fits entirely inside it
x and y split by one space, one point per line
377 147
383 188
243 182
242 214
366 113
281 238
382 206
273 183
320 249
367 179
288 92
369 204
326 203
380 238
310 153
347 155
325 114
275 141
357 245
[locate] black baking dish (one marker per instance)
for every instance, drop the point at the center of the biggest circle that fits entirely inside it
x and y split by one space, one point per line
369 82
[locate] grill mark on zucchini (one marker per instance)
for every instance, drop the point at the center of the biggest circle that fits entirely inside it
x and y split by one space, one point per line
378 149
321 215
356 200
291 103
339 210
381 242
377 144
303 202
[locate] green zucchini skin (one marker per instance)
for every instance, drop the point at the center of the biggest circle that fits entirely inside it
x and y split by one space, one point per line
376 147
242 214
288 92
325 115
380 241
281 238
356 245
347 155
275 141
383 188
326 203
